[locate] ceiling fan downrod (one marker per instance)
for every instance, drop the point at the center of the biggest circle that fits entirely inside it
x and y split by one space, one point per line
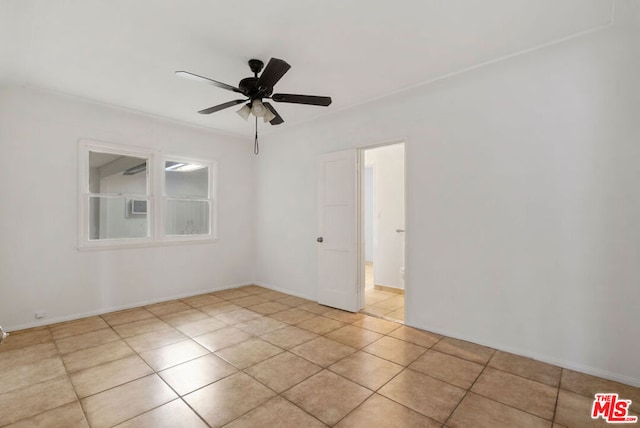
256 149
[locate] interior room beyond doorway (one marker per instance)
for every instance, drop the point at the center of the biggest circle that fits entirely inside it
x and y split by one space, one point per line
383 201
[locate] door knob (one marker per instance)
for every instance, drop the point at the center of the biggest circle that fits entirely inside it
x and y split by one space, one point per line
320 239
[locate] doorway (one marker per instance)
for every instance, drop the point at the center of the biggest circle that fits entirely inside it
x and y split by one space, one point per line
382 255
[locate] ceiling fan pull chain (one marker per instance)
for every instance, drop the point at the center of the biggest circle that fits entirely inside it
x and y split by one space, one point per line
256 149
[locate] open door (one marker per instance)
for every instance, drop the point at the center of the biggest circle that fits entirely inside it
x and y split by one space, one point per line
337 223
382 255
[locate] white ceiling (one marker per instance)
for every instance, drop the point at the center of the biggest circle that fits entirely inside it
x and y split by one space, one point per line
124 52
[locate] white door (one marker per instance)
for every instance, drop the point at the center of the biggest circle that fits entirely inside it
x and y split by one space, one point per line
337 240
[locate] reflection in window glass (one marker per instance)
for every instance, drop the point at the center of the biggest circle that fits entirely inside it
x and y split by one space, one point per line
186 179
187 204
185 217
115 218
118 196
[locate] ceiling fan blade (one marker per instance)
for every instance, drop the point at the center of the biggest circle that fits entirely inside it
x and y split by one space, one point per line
221 107
276 120
302 99
275 69
197 78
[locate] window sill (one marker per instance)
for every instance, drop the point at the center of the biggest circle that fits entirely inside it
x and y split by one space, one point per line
148 244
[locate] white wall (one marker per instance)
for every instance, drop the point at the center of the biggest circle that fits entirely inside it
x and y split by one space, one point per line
40 266
523 208
388 216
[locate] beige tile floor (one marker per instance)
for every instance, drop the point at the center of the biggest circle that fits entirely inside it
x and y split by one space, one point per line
251 357
381 303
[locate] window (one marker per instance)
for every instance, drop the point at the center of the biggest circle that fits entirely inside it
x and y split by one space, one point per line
186 198
123 204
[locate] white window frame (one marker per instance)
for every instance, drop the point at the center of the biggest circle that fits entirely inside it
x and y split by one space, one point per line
155 195
211 199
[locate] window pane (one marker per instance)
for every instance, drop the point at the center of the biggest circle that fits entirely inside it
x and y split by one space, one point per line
119 217
111 173
187 217
186 179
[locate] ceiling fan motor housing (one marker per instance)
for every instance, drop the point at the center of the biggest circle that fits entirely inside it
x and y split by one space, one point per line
249 87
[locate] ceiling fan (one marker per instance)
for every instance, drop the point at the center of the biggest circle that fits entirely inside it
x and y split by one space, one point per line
256 89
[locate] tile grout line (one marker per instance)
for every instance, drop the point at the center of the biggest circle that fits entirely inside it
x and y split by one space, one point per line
404 368
59 355
500 402
521 376
256 336
322 368
212 352
280 394
555 407
468 390
125 383
289 401
525 378
157 373
79 400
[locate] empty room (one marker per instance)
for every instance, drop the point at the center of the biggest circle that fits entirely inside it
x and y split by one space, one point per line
319 213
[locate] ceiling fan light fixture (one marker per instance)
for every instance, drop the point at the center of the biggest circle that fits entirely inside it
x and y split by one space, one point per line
258 109
244 112
268 116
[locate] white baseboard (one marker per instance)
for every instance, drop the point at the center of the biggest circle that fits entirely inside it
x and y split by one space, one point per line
109 309
539 357
616 377
285 290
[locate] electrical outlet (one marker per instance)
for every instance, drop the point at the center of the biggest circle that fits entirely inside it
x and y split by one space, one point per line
3 335
40 314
